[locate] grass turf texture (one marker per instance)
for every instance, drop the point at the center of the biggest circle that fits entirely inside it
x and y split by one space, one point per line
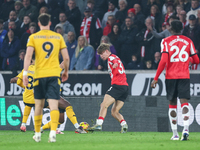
16 140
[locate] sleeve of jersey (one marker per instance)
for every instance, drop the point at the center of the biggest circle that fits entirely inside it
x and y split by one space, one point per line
62 43
114 61
19 80
163 45
30 41
161 65
61 70
194 59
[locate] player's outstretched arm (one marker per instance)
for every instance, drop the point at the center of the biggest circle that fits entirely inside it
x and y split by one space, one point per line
161 67
13 80
65 62
27 62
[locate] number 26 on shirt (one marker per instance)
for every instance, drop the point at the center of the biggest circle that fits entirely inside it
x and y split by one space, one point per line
182 54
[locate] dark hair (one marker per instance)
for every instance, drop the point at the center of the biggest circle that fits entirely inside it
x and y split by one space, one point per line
44 19
176 26
173 17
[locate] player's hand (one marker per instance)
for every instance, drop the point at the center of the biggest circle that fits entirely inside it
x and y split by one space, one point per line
153 83
64 76
13 80
115 65
25 80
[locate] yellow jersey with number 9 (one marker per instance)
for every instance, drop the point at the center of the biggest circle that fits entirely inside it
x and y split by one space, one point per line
28 96
47 45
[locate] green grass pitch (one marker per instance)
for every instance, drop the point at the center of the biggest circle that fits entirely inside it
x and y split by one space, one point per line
16 140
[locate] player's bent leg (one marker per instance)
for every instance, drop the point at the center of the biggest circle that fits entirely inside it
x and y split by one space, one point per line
115 113
26 114
172 113
185 115
64 104
108 100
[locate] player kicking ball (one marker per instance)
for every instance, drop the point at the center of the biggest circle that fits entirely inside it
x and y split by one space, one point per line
28 99
176 51
118 91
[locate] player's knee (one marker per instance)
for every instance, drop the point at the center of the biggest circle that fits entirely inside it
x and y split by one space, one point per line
185 110
113 113
102 105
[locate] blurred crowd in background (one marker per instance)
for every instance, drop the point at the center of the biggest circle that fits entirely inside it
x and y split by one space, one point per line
133 28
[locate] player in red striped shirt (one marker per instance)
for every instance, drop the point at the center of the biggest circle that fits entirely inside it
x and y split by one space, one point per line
118 91
177 51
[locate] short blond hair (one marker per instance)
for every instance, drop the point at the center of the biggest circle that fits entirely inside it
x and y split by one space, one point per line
103 47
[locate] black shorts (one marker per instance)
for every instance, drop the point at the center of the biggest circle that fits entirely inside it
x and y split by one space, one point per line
47 88
118 92
30 105
178 88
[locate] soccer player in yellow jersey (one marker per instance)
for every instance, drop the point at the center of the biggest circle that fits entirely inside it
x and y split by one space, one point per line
28 99
47 45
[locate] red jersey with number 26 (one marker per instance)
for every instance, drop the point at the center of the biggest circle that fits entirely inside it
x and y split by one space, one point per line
117 74
179 49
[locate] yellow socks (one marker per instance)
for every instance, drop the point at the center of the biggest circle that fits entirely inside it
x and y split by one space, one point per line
54 119
27 111
38 122
47 126
71 115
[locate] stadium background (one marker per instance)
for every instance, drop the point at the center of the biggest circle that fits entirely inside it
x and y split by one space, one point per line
146 109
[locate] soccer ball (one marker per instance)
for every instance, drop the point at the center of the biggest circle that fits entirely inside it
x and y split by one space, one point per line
85 125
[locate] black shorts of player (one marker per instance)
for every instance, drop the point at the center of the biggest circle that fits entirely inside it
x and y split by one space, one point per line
30 105
118 92
178 88
47 88
46 105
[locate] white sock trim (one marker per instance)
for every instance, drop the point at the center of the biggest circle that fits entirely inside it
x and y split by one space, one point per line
99 121
76 125
123 123
23 124
173 126
186 122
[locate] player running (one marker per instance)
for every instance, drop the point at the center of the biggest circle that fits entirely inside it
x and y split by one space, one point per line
28 99
176 51
118 91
